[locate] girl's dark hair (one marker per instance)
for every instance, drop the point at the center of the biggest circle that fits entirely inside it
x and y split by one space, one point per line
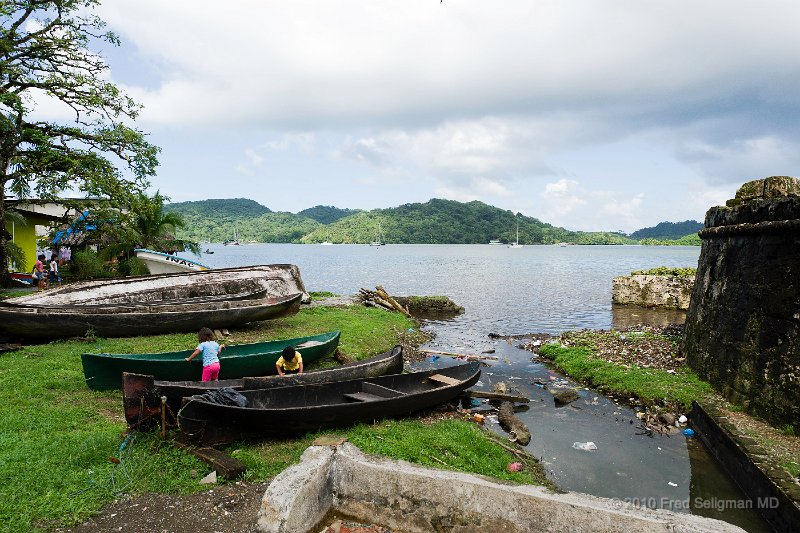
205 335
288 353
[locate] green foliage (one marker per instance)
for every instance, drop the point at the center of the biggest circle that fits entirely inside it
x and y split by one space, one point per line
325 214
692 239
16 256
44 50
321 295
788 429
668 231
683 272
651 387
88 265
145 224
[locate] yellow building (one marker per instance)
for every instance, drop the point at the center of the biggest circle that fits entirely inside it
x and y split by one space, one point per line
37 217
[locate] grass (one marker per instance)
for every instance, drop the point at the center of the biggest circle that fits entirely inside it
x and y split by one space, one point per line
651 387
63 456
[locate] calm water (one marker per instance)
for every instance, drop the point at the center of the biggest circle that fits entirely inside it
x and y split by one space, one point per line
548 289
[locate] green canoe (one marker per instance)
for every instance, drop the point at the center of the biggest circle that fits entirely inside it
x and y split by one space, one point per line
103 371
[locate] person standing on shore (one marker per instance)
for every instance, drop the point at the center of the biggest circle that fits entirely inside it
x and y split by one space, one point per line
210 350
54 277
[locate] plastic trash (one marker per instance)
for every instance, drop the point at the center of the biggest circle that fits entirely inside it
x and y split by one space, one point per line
689 432
585 446
671 484
682 419
514 467
478 418
411 330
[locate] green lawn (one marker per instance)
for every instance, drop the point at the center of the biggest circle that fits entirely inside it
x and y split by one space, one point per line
63 453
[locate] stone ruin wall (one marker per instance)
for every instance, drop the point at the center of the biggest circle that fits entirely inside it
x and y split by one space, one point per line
743 325
668 292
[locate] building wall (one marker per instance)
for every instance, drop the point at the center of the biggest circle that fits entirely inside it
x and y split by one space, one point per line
24 235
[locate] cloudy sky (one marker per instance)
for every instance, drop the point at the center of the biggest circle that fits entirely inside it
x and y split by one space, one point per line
591 115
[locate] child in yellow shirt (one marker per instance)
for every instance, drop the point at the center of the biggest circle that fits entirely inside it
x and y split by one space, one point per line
290 362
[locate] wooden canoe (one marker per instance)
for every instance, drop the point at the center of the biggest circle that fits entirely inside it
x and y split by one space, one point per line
303 408
278 280
130 321
104 371
142 394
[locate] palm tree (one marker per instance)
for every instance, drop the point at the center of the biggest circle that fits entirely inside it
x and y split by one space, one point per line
147 225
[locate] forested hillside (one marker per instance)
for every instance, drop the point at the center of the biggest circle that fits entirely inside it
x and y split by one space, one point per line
326 214
668 230
436 221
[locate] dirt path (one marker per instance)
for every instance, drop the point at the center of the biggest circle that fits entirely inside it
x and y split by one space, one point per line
224 509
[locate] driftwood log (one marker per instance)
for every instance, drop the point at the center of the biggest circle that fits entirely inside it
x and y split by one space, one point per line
381 299
517 430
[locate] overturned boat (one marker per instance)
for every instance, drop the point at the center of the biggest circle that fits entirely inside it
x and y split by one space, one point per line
127 321
142 394
303 408
277 280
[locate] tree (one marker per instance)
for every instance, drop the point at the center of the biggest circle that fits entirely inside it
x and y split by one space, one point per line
145 224
44 53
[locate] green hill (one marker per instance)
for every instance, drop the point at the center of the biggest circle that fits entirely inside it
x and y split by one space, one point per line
216 221
668 230
325 214
436 221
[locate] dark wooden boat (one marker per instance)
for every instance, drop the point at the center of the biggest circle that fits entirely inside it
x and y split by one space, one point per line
142 394
128 321
304 408
278 280
103 371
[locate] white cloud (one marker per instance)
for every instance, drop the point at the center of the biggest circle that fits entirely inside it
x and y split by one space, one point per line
469 100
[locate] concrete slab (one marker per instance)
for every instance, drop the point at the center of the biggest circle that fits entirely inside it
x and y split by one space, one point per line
409 498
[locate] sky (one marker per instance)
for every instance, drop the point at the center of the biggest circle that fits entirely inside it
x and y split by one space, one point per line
590 115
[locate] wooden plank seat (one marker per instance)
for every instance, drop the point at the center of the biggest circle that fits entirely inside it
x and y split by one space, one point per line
443 380
362 397
372 391
380 390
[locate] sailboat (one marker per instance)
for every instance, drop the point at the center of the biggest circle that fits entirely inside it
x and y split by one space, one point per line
516 243
234 241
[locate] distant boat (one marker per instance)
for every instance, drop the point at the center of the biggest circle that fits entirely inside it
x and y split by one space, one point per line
516 243
234 241
495 241
377 243
326 243
208 251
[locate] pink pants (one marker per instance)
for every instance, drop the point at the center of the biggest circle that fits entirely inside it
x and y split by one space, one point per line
211 372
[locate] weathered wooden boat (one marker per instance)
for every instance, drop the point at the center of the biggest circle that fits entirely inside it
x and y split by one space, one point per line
252 294
104 371
161 263
142 394
128 321
278 280
303 408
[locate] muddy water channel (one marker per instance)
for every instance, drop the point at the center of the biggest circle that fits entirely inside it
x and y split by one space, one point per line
537 289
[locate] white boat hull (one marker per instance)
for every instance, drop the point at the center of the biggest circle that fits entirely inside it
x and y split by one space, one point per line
159 263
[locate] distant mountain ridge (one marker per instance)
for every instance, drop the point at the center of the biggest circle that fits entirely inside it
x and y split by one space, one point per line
436 221
668 230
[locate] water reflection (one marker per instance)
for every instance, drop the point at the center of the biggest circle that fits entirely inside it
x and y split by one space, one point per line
626 316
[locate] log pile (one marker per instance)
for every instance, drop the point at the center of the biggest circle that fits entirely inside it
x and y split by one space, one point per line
381 299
